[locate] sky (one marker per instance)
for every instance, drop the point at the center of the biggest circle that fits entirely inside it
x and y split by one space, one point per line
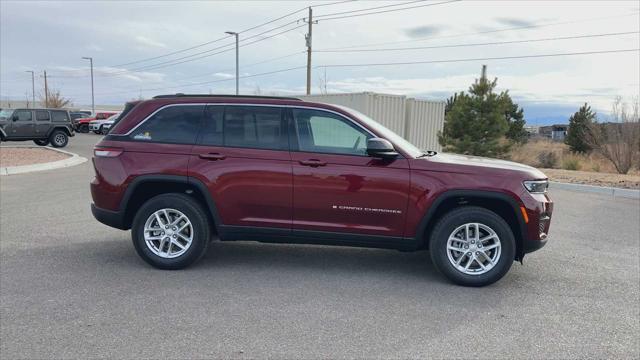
422 49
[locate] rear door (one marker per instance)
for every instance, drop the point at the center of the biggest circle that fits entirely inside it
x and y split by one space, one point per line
243 157
43 123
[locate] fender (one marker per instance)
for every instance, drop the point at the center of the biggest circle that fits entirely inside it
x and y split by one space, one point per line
449 194
2 133
180 179
63 128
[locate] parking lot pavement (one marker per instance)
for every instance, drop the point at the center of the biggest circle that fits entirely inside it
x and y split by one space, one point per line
73 288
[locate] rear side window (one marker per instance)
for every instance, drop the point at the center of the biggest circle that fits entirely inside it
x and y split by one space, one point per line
59 116
256 127
174 124
42 115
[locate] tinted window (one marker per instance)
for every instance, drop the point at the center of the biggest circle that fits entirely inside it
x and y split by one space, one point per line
174 124
23 115
212 129
324 132
258 127
42 115
59 116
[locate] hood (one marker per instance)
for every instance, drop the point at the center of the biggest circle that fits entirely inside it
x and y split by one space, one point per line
472 164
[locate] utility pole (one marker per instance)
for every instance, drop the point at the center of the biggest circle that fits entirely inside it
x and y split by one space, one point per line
93 103
46 91
484 72
308 39
33 88
237 60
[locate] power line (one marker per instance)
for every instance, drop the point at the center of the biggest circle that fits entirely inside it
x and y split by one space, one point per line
481 44
367 9
479 59
484 32
387 11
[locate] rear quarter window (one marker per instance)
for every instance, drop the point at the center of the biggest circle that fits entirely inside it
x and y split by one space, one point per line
59 116
174 124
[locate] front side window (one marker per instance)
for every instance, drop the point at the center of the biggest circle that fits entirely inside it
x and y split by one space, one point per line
23 115
42 115
174 124
323 132
256 127
59 116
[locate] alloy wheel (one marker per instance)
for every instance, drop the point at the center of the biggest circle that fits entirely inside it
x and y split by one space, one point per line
168 233
473 248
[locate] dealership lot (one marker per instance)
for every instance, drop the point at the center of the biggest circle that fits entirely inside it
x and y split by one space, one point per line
71 287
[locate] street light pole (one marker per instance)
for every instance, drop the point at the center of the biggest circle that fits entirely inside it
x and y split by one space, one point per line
33 88
237 60
93 103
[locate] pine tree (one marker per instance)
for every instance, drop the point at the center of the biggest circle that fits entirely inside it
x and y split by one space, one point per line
515 118
579 124
477 122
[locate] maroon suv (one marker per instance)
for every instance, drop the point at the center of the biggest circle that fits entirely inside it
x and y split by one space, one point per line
179 170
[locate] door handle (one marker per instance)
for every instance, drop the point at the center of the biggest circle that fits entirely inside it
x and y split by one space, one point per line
212 156
313 162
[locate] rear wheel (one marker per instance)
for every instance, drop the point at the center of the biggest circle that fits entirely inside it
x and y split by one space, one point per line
103 130
171 231
472 246
83 128
58 139
41 142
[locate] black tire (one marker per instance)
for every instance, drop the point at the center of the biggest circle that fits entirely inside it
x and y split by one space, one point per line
471 214
41 142
195 214
58 139
83 128
97 132
103 130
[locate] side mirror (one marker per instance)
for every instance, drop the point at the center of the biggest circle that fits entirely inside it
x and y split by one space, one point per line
15 118
380 148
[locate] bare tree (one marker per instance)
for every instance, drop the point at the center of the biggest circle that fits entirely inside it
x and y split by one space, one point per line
257 90
323 83
28 100
54 100
619 140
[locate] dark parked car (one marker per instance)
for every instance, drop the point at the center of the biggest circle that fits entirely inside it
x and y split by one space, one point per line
43 126
179 170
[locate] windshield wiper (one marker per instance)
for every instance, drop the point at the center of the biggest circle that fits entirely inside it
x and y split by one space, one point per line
428 153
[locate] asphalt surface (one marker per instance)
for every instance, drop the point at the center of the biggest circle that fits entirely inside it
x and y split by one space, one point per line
73 288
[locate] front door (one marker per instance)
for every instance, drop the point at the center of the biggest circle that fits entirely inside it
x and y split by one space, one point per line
336 186
22 124
242 156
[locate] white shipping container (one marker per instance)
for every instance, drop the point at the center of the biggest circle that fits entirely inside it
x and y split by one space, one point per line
425 119
418 121
388 110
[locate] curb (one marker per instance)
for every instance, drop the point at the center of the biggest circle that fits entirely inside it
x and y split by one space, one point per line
603 190
75 159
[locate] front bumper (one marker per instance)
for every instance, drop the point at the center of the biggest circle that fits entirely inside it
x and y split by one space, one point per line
537 229
111 218
94 127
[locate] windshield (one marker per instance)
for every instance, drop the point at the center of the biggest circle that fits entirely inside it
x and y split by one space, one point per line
396 139
5 114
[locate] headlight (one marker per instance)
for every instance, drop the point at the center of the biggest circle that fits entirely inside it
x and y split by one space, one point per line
536 186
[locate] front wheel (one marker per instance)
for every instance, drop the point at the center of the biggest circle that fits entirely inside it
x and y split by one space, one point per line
171 231
41 142
472 246
58 139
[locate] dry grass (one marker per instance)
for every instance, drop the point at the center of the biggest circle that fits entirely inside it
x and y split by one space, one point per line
532 152
10 156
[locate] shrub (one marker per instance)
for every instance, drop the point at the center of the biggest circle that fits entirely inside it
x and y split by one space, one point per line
547 159
571 163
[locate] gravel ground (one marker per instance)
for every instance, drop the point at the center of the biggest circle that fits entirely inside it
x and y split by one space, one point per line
17 156
75 289
628 181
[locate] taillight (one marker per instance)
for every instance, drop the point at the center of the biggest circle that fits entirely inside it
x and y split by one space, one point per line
107 152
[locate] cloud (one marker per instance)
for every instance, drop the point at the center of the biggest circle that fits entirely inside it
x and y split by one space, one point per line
108 72
422 31
514 22
94 47
149 42
223 75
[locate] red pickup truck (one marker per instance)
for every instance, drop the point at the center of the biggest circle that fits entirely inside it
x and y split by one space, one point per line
82 124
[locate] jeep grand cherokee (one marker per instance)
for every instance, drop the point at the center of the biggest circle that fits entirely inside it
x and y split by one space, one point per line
179 170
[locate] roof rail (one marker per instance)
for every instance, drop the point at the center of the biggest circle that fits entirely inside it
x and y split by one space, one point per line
225 96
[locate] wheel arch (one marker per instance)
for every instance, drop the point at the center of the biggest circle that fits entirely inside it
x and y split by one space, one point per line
3 135
59 127
501 203
145 187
